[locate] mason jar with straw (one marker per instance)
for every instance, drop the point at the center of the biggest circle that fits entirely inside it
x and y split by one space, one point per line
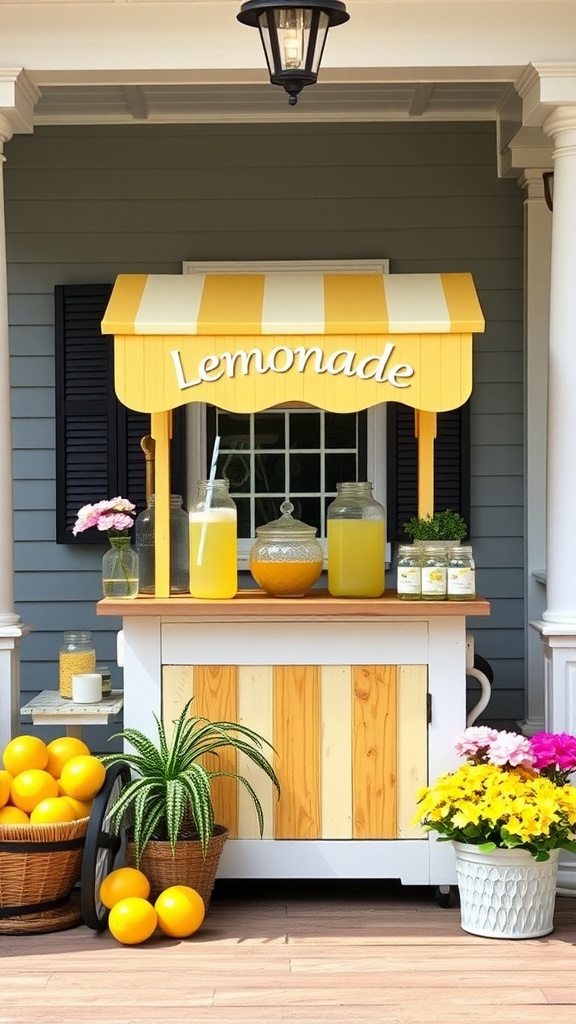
213 538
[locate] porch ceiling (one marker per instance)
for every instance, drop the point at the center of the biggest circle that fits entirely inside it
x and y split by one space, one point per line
125 103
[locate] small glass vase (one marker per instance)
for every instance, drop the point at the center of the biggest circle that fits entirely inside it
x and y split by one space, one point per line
120 569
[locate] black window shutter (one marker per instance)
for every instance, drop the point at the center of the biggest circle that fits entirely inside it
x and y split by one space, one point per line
98 452
451 466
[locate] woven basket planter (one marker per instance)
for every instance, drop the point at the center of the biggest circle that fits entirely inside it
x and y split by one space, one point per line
186 867
39 867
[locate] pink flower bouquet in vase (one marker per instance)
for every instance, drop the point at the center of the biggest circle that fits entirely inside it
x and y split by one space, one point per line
115 516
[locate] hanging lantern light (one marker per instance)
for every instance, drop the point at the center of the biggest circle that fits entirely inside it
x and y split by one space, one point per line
293 36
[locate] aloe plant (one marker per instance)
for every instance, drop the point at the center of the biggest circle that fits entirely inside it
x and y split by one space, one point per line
171 788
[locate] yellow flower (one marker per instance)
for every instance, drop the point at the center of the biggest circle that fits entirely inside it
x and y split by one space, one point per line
489 803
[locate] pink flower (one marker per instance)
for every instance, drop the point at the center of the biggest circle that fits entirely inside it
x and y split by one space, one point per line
475 741
554 750
113 515
509 748
482 745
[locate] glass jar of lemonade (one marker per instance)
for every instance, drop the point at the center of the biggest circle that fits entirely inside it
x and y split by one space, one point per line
356 534
213 542
286 559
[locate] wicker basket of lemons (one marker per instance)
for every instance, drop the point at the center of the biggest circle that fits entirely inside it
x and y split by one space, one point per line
46 793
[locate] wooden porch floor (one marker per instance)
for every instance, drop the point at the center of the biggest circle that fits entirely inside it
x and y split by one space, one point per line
301 952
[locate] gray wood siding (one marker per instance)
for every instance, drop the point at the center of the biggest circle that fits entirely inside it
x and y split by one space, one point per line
84 204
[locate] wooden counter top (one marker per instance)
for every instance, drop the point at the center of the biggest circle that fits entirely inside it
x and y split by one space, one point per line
255 604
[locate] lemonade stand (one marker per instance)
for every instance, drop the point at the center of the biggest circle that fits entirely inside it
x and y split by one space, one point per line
360 696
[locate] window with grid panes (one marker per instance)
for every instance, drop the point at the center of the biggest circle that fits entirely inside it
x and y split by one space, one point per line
299 454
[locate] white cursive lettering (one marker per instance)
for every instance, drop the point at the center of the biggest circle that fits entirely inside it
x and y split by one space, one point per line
211 368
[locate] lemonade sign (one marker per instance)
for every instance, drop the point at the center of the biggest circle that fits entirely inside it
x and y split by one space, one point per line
340 342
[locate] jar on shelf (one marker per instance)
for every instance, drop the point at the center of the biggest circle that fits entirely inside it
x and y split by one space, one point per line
356 541
409 572
77 656
461 574
144 537
104 671
286 559
434 573
213 542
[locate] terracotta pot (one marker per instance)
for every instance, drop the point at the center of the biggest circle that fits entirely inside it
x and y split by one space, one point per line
187 866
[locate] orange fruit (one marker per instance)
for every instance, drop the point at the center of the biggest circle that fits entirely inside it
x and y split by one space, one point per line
82 777
24 752
10 815
61 750
81 808
53 809
132 920
180 911
30 787
121 883
5 784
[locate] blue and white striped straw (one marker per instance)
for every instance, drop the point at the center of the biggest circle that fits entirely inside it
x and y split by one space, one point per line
211 479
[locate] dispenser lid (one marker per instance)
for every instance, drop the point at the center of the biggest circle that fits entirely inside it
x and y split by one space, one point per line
286 526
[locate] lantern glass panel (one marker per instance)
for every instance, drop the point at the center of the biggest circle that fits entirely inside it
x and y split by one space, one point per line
295 39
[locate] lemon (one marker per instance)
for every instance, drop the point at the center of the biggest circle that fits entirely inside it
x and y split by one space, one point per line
121 883
180 911
11 815
30 787
62 750
24 752
82 777
132 920
53 809
6 781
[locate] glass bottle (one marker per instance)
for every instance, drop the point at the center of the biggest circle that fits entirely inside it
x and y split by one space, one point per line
409 576
356 534
120 569
77 656
104 671
461 574
286 559
144 533
434 572
213 542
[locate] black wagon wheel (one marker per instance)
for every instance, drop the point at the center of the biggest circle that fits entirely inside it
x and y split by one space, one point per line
102 847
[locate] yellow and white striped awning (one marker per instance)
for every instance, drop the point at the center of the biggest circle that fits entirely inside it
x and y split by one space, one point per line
293 303
341 342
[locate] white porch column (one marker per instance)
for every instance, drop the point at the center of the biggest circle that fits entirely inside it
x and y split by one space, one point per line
558 625
8 616
10 631
548 92
561 447
537 238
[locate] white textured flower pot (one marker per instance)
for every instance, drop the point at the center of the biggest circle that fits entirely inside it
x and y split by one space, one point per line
505 894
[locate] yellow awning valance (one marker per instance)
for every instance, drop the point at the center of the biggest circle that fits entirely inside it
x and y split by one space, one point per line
292 303
245 342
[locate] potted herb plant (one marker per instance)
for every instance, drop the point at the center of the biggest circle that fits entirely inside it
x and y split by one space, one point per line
167 806
445 526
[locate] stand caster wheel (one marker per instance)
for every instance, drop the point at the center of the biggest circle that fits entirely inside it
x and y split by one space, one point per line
442 895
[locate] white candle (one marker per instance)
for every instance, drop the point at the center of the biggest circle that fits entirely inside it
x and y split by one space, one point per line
87 688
